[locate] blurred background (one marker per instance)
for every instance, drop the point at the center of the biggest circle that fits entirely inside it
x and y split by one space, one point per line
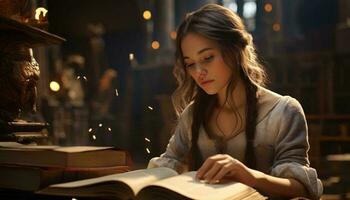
110 83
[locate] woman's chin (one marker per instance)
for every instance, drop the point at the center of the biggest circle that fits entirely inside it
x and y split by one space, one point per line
210 92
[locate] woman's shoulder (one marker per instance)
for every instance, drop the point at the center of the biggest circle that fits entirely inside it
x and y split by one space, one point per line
270 102
269 97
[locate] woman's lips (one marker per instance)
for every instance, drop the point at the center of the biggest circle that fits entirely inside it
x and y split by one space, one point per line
206 82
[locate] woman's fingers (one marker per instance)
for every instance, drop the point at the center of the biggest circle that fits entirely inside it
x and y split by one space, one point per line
223 167
224 170
207 165
216 167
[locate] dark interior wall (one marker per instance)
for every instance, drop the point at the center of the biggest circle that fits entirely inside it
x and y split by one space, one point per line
317 19
124 29
70 17
122 21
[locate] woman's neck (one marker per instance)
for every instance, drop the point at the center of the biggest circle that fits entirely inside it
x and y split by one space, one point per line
238 95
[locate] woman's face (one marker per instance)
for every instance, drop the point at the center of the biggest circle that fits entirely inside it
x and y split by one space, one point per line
204 62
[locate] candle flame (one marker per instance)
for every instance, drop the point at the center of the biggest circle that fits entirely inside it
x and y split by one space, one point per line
38 12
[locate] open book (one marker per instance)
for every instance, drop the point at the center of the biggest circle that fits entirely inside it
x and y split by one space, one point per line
157 183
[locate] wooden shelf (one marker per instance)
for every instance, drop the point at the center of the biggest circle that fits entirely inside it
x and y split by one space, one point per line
328 117
339 138
319 84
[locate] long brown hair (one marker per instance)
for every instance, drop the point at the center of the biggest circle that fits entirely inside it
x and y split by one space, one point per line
221 25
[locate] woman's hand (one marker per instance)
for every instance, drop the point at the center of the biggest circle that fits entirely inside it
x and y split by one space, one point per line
223 167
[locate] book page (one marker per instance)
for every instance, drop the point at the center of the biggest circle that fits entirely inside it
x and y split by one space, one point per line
187 185
135 179
15 145
338 157
71 149
75 149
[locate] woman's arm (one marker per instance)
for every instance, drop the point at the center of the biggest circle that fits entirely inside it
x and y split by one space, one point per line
177 149
222 167
279 187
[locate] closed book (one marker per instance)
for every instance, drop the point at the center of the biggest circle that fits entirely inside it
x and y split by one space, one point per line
28 178
149 184
65 157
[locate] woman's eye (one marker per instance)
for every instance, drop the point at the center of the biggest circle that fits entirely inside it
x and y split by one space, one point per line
189 65
208 58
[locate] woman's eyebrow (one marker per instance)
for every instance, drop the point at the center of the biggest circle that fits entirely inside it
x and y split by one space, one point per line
200 51
203 50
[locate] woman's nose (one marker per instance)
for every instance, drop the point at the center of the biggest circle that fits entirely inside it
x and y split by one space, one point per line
201 71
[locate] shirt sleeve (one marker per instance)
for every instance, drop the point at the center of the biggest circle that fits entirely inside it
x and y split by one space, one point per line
291 147
175 156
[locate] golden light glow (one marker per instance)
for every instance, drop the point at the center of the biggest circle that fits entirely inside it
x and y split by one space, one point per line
268 7
173 35
38 11
131 56
54 86
147 15
276 27
155 45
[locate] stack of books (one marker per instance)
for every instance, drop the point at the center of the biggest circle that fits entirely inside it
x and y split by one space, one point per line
30 168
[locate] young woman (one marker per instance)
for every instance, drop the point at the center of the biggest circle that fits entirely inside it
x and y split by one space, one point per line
229 126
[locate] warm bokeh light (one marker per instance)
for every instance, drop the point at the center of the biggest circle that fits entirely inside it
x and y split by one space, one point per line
38 11
276 27
131 56
173 35
147 15
155 45
54 86
268 7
